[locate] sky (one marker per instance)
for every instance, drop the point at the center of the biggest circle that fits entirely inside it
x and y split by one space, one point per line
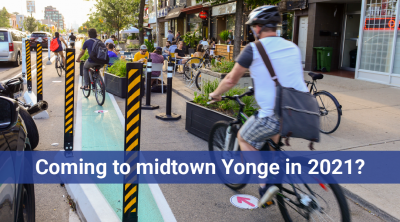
72 10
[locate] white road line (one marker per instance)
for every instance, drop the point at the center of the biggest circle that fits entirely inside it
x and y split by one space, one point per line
158 196
33 72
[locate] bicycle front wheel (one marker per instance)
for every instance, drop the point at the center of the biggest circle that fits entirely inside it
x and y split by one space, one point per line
86 93
198 80
58 67
100 90
191 67
329 112
216 142
317 201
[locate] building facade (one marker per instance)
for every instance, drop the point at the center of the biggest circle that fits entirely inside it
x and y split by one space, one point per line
20 21
53 14
13 21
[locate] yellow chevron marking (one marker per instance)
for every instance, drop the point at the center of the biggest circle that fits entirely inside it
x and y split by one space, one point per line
69 60
70 107
68 128
134 83
134 210
70 73
127 185
69 53
132 134
133 109
68 115
134 96
133 121
70 66
69 101
70 80
133 145
39 83
131 72
134 189
70 94
70 87
133 201
40 91
68 122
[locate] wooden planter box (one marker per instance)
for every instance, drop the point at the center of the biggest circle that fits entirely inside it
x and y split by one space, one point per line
200 120
208 75
222 50
118 85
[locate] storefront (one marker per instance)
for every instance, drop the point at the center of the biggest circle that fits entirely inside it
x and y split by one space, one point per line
378 57
223 18
194 22
176 20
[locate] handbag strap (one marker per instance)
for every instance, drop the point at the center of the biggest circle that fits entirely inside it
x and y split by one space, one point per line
267 62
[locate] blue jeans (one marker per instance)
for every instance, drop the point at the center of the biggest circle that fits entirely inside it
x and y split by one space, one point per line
165 57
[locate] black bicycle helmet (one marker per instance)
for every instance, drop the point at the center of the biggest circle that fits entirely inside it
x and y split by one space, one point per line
267 16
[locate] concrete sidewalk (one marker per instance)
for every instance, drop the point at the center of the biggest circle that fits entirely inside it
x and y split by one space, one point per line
370 121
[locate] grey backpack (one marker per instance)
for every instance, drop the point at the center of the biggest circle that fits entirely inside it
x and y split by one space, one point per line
298 111
99 53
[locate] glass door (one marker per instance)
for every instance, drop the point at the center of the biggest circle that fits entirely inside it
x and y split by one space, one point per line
349 52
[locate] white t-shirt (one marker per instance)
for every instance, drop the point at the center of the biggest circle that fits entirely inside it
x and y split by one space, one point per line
285 59
109 41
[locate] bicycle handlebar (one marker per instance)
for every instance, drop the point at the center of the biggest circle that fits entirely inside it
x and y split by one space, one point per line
236 97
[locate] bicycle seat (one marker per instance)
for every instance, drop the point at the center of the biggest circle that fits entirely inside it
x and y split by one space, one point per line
315 76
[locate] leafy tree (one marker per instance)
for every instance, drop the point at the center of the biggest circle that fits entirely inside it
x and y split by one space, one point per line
4 18
41 27
30 24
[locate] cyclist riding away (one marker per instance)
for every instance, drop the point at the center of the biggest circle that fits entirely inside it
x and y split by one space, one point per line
59 50
89 63
71 40
286 60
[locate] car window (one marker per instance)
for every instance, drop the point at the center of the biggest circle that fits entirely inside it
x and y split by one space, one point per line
3 36
5 113
38 35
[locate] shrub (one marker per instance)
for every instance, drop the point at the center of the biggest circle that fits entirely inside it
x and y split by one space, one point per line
85 56
225 66
118 68
224 35
149 45
228 107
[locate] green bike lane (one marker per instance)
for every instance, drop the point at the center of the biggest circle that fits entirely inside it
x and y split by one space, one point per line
104 132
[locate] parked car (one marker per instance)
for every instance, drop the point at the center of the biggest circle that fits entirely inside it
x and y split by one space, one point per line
17 201
11 46
39 37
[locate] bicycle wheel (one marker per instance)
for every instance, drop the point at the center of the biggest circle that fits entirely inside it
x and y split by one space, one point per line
198 80
191 67
329 112
86 93
216 142
58 67
318 201
100 90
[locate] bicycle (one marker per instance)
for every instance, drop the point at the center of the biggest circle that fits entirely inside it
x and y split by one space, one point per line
330 109
59 65
305 199
96 85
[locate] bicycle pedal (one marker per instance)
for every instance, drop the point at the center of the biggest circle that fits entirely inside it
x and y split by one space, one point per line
268 204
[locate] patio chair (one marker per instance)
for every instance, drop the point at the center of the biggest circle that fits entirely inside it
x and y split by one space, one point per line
158 67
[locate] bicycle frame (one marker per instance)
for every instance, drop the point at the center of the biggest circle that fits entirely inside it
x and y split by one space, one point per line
313 87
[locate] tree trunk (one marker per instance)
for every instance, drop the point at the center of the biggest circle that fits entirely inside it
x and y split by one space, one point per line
141 12
238 28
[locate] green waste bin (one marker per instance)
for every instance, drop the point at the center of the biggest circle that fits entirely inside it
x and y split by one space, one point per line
324 58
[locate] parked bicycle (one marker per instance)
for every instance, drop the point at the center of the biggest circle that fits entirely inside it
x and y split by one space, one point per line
59 65
96 85
317 201
329 107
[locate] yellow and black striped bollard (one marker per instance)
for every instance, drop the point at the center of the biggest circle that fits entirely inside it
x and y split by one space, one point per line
69 101
132 140
28 65
39 72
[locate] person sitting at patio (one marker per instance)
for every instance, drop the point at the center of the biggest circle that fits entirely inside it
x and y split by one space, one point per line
142 55
199 51
173 47
111 52
156 57
180 53
165 50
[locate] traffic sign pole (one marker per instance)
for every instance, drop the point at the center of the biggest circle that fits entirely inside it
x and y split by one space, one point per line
39 71
28 65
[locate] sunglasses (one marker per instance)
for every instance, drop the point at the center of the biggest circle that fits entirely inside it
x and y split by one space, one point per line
144 50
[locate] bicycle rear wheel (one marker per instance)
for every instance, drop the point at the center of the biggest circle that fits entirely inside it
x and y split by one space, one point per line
86 93
58 67
191 67
100 90
329 112
216 142
318 201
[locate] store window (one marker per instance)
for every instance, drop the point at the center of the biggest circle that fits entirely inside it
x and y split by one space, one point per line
195 23
378 35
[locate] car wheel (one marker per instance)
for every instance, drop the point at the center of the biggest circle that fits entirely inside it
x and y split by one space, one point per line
27 204
33 133
17 61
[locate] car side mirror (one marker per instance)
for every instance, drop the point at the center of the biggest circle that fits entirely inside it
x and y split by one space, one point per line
9 110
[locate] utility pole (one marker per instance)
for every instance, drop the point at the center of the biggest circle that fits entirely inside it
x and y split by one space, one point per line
158 43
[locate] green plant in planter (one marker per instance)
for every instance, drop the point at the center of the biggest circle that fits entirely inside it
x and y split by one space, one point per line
149 45
224 35
191 39
228 107
118 68
225 66
85 56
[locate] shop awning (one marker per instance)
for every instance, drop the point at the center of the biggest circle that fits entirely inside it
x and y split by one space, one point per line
194 9
174 13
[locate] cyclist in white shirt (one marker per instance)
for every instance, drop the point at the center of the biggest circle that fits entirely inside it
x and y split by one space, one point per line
286 60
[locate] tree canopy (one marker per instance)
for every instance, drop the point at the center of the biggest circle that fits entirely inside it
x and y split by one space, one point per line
30 24
4 18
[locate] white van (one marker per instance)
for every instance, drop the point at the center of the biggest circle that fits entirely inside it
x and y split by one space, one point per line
11 46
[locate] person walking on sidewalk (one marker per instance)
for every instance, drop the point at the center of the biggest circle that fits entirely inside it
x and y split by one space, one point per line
89 63
170 36
285 57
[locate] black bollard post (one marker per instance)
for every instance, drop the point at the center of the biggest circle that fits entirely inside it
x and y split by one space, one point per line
168 115
147 106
